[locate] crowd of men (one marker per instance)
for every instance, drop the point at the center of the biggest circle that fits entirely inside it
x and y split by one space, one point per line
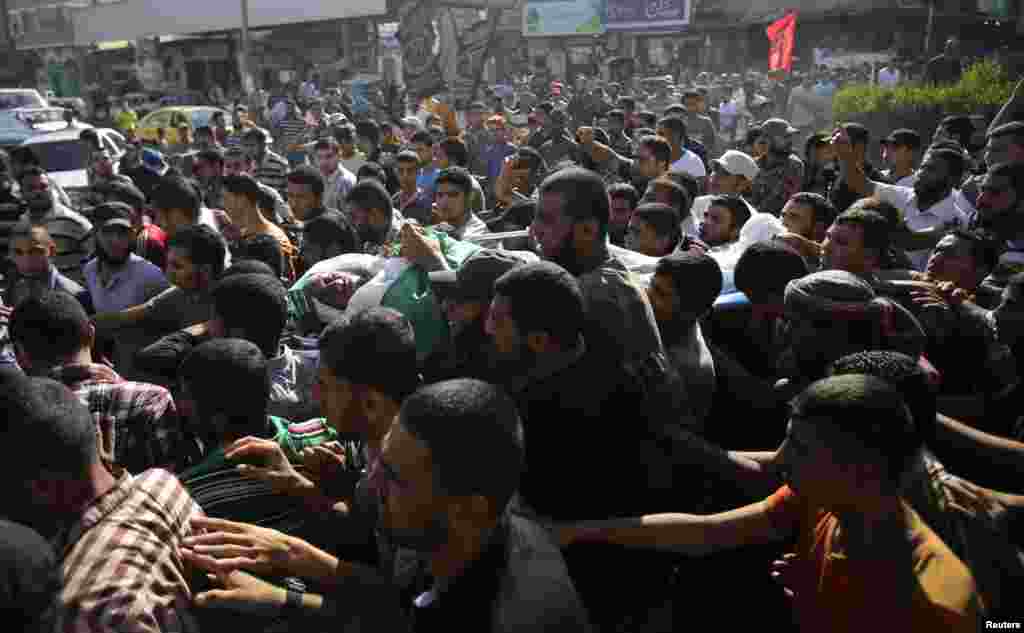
640 374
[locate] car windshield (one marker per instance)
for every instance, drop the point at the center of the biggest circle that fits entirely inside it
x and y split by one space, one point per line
60 155
12 100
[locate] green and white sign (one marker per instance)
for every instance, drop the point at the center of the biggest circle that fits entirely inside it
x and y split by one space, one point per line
563 17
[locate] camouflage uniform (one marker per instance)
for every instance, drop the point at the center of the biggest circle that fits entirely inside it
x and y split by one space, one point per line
775 183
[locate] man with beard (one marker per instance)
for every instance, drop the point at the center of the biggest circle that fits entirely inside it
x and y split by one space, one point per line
117 278
1001 211
270 168
556 372
623 198
467 300
850 143
237 163
571 230
928 209
378 224
452 192
781 172
682 291
559 145
32 250
653 158
473 565
619 140
102 178
71 232
1004 144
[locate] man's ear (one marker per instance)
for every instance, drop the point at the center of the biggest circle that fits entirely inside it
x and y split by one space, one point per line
585 231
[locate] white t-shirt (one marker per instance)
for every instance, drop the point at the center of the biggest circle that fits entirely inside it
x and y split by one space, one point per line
691 164
953 208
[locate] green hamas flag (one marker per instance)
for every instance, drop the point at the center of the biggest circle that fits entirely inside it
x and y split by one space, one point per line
407 289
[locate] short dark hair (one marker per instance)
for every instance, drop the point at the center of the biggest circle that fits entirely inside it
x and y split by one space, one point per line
859 135
664 219
902 372
383 334
264 248
203 245
659 147
369 130
875 226
456 176
955 163
423 136
960 127
736 205
241 266
986 248
54 432
584 194
679 197
451 415
244 185
214 156
332 227
33 171
175 192
617 114
868 409
345 134
1014 129
308 176
456 152
764 269
407 156
824 211
372 171
1012 171
697 278
544 297
50 326
624 190
369 194
687 180
533 158
328 143
216 373
675 125
256 305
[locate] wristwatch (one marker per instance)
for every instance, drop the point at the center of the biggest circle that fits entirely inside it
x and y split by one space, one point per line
292 601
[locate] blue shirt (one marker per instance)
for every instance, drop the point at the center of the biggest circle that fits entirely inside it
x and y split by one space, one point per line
426 181
134 284
494 156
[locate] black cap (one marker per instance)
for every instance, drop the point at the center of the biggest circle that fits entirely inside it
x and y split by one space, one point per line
474 280
903 138
112 213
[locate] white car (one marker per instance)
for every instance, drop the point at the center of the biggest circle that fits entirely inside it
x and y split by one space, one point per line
11 98
65 158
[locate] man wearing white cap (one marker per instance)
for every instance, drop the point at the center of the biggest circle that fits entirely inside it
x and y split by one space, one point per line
733 174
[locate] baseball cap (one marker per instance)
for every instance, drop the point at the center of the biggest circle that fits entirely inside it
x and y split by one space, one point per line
738 163
781 127
112 213
153 160
903 138
474 280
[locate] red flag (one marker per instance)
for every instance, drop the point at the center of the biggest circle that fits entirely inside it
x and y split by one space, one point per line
782 36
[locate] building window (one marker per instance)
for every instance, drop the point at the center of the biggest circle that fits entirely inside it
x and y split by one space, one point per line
580 55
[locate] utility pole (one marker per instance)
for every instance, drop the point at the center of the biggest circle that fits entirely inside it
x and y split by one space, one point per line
243 55
929 28
8 36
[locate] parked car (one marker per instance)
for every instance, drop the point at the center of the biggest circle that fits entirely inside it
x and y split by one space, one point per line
65 158
77 104
21 123
11 98
166 118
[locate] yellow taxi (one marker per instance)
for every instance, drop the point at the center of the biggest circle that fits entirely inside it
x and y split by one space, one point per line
170 118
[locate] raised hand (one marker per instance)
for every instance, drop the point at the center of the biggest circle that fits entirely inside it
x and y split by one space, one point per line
274 469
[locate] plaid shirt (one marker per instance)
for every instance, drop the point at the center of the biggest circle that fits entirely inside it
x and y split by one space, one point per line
137 422
121 563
